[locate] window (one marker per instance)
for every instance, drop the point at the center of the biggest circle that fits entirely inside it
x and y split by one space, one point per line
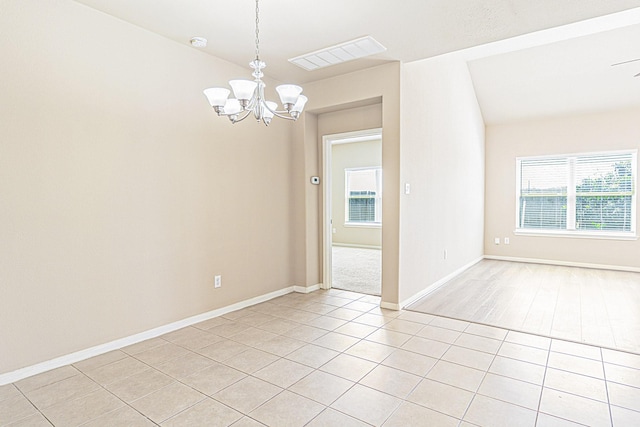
363 196
583 194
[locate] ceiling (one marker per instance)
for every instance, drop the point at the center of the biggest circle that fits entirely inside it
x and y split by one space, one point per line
413 30
573 76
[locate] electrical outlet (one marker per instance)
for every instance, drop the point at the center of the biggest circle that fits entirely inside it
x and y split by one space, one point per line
217 281
506 240
497 240
445 254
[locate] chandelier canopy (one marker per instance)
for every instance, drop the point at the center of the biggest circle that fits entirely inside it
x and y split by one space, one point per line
249 95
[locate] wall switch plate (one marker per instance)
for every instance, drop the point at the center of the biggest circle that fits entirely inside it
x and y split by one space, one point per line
506 240
445 254
407 188
497 240
217 282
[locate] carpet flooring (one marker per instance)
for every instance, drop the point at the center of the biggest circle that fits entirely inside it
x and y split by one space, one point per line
357 269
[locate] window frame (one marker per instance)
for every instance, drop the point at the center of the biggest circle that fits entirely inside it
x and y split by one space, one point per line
378 198
571 200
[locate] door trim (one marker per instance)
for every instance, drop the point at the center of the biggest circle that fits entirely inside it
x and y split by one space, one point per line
327 142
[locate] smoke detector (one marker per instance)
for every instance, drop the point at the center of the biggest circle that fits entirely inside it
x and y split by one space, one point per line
198 42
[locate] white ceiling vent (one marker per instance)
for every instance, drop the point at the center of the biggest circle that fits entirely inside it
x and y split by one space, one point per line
347 51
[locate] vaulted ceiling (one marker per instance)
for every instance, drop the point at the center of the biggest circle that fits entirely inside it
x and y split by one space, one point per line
563 71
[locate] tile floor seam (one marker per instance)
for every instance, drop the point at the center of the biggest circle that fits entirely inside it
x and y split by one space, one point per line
38 411
78 372
115 410
353 416
103 387
66 400
348 415
310 398
460 420
180 381
166 419
606 385
628 409
544 378
404 400
563 417
577 395
376 361
247 414
475 393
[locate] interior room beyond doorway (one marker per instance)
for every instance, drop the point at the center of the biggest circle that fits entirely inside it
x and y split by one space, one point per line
356 212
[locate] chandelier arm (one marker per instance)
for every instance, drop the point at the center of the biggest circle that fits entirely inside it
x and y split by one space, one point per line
246 114
276 112
279 114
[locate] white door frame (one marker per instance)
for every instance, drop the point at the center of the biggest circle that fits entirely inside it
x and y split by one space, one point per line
327 236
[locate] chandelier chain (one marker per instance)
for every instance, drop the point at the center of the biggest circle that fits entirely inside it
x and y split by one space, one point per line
257 31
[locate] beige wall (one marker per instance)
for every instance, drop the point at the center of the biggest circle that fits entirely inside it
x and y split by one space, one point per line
346 156
339 93
305 255
442 155
566 135
121 194
350 120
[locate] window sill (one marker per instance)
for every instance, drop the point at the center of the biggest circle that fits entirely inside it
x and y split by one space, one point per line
576 234
363 224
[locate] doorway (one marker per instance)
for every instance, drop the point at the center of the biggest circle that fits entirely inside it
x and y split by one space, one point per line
352 206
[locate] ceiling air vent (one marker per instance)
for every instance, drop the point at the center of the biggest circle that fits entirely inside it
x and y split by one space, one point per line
343 52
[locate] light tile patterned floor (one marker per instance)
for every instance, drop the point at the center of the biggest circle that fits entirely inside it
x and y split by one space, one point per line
333 358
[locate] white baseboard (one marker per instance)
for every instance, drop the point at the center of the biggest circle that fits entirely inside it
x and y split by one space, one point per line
68 359
564 263
437 285
307 289
390 305
354 245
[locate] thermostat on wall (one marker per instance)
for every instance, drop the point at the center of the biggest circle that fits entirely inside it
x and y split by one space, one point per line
315 180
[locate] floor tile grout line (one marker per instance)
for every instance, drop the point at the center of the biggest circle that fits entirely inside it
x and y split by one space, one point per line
34 405
542 336
547 333
544 379
486 372
103 387
175 380
606 385
359 340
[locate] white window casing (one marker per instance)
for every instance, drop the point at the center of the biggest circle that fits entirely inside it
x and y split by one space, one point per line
591 195
363 197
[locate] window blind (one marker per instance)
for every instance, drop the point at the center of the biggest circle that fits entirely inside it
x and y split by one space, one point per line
363 195
583 192
604 192
543 193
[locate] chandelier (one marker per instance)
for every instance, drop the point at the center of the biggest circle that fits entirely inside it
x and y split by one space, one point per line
249 95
